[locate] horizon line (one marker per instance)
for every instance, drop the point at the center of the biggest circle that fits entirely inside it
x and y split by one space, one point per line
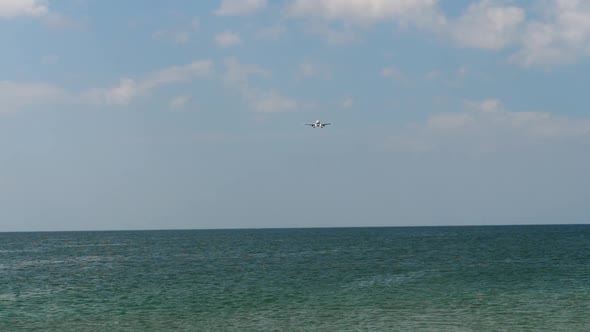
287 228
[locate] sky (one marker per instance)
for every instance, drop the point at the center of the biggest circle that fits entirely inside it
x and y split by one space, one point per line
145 114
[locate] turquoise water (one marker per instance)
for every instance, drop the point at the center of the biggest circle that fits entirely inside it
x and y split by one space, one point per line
518 278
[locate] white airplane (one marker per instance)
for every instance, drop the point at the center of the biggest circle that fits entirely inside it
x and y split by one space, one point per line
318 124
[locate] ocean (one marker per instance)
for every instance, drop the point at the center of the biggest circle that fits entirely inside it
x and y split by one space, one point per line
494 278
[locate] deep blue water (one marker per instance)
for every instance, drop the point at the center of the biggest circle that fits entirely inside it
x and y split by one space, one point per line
504 278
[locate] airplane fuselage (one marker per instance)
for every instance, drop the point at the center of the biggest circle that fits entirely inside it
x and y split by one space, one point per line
318 124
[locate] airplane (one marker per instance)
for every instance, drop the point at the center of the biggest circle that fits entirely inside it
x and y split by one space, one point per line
318 124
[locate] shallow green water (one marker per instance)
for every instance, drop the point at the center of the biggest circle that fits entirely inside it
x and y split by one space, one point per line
520 278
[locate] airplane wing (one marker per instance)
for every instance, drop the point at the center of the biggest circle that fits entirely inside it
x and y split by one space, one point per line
325 124
309 124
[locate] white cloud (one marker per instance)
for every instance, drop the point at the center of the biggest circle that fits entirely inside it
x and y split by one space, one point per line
39 9
59 21
534 125
462 71
14 8
128 88
15 96
180 35
347 103
227 39
433 75
240 7
178 74
309 69
177 36
271 32
487 25
239 76
121 94
179 102
421 12
486 126
562 37
391 72
269 101
332 35
237 72
450 75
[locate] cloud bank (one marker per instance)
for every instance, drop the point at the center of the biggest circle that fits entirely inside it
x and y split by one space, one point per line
560 35
14 8
240 7
487 127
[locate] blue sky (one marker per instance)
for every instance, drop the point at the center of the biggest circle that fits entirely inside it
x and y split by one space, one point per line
189 114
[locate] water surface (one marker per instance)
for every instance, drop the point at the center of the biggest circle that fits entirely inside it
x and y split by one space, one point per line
517 278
